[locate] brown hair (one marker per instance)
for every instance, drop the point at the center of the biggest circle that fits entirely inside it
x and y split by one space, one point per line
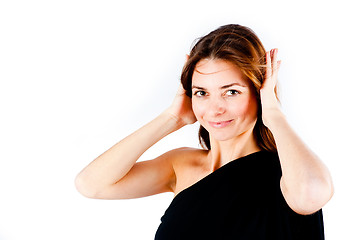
241 46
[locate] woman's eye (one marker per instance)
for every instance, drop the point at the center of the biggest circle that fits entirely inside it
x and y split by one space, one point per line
200 93
232 92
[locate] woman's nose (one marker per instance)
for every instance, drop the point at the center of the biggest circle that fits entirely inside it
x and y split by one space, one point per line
217 106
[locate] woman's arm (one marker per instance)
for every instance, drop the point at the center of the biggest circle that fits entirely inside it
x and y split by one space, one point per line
306 182
115 173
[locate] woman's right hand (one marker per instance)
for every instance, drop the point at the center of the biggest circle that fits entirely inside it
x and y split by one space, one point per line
181 108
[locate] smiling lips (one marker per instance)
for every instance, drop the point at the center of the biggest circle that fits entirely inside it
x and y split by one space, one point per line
221 124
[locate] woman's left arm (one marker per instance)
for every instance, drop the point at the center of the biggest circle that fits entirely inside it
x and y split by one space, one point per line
306 183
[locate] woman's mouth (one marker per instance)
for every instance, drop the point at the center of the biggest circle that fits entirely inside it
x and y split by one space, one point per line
220 124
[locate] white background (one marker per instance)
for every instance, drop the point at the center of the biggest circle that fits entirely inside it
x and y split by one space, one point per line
77 76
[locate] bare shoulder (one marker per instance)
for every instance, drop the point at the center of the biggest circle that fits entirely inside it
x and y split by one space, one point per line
186 156
189 165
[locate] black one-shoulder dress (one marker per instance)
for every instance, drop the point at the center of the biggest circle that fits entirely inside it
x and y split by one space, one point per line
240 200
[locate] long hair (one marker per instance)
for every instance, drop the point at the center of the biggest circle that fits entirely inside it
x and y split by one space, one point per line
241 46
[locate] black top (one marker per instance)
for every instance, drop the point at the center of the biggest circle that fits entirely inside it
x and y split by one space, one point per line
240 200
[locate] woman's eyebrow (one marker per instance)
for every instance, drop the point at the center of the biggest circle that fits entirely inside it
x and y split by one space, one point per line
233 84
223 87
194 86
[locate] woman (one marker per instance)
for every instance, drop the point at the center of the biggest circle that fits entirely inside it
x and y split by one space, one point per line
254 177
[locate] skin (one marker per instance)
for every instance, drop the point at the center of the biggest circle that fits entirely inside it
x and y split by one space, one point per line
224 104
229 114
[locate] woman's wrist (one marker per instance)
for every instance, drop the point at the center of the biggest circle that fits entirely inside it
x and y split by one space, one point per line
173 121
273 119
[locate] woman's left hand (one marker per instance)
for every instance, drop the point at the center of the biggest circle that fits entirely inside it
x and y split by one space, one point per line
269 101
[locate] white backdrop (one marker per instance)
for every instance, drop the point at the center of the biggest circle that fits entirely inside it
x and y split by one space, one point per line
77 76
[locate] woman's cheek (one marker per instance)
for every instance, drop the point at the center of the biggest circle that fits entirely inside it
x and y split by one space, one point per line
246 108
250 108
198 109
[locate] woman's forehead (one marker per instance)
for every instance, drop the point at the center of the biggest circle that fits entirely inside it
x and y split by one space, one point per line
217 69
212 66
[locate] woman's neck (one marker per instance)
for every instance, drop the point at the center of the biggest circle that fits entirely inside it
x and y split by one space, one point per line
223 152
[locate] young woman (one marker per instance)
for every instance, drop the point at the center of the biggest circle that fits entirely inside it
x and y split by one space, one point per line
254 177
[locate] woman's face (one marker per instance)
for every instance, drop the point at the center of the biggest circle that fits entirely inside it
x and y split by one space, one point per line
222 99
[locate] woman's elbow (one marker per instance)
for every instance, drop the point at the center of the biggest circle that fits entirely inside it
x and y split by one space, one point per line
309 198
84 188
314 197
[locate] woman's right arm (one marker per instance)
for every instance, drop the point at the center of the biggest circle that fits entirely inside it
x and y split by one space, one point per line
116 175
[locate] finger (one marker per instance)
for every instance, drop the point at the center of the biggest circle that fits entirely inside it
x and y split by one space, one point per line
272 69
268 66
267 82
274 78
181 89
274 58
186 59
278 65
276 68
